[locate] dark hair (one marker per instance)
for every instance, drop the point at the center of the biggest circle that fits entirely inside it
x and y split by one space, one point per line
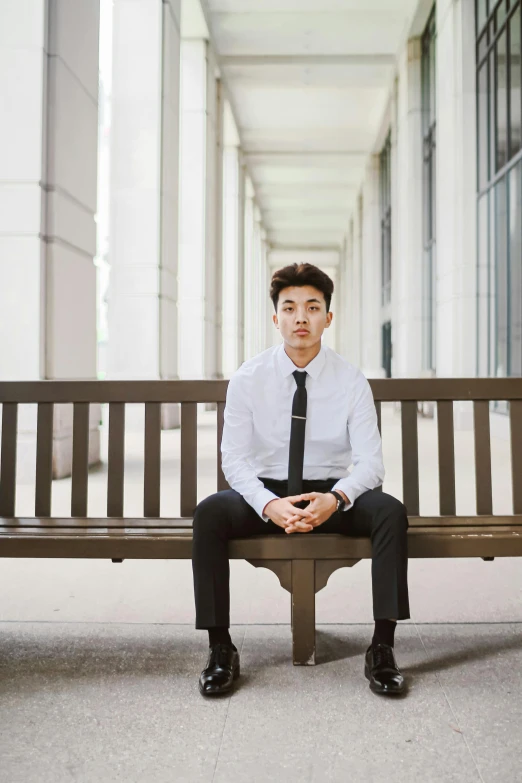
299 275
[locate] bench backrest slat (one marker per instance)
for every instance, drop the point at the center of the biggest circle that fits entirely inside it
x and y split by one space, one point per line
515 420
116 459
8 459
44 459
189 394
410 457
483 483
446 447
152 460
80 461
189 459
222 483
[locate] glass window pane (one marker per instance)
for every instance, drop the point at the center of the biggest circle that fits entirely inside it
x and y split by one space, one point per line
515 272
501 14
492 118
482 45
481 14
483 141
501 48
483 285
432 68
492 286
515 88
501 249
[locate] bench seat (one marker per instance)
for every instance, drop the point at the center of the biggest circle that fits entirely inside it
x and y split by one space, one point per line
128 538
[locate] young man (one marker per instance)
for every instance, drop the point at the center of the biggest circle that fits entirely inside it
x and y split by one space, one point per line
296 417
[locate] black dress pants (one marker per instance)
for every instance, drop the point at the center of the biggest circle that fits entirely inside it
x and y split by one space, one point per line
226 515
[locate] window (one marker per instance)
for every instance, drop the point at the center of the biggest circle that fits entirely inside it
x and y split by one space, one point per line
385 193
429 191
499 177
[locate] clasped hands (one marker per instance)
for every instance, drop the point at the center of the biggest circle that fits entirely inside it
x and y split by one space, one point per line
301 520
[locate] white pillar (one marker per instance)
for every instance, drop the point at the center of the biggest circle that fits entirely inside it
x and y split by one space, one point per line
356 278
371 273
349 323
258 280
201 212
48 177
268 304
143 246
249 282
456 190
340 298
407 216
330 337
231 236
241 201
214 227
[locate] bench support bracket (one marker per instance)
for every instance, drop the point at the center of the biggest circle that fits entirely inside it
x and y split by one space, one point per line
303 579
281 568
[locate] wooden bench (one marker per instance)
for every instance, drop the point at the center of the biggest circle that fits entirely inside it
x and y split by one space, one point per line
303 563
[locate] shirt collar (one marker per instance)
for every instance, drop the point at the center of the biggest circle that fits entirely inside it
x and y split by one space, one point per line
313 368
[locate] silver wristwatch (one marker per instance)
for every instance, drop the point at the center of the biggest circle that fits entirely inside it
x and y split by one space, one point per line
340 499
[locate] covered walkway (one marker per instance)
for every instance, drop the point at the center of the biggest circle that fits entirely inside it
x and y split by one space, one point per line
159 160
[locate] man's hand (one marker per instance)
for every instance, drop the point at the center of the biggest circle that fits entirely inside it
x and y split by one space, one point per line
321 507
283 513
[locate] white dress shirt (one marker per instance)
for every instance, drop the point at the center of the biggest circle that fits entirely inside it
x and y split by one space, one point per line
341 425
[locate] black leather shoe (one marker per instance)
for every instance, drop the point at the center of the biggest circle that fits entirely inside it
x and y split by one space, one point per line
221 671
381 669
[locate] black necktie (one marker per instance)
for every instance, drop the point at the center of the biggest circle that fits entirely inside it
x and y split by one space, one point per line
297 438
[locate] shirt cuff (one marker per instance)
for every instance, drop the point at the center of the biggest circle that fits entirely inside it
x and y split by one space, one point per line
349 491
260 500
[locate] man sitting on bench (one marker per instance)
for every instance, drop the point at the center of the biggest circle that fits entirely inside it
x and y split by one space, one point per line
286 460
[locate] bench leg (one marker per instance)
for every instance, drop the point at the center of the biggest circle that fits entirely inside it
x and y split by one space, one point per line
303 612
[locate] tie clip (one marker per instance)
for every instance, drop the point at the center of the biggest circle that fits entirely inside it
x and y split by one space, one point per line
298 417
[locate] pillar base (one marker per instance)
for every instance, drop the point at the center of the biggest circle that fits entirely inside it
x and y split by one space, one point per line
170 416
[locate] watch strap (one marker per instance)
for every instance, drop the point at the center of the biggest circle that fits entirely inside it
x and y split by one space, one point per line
340 499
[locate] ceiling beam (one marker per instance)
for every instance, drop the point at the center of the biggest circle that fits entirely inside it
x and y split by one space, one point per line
319 247
247 60
306 153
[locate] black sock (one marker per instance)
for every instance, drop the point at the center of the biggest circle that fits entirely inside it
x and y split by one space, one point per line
219 636
384 632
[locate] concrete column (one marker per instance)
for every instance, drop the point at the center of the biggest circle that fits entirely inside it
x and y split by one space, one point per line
249 282
200 275
407 216
48 177
231 290
371 273
266 325
340 297
143 241
456 190
330 334
241 202
350 343
356 308
259 310
214 227
268 305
